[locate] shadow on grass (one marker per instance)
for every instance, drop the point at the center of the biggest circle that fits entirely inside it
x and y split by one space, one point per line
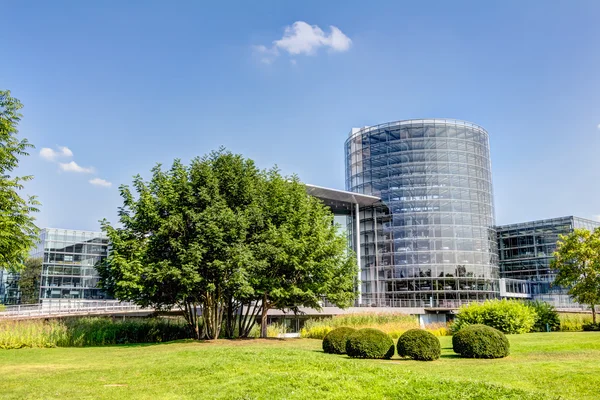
450 356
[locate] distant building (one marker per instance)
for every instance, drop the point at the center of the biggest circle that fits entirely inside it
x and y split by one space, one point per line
437 247
9 287
525 252
69 264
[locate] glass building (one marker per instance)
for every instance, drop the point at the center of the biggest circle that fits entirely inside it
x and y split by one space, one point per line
9 287
69 265
526 249
434 244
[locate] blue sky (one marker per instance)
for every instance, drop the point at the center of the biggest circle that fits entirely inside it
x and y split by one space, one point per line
124 85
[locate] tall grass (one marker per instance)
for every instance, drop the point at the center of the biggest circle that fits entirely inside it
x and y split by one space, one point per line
392 324
89 332
573 322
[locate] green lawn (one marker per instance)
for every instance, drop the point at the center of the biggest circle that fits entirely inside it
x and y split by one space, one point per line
555 365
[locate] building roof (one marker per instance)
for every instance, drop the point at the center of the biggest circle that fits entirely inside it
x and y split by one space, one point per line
341 202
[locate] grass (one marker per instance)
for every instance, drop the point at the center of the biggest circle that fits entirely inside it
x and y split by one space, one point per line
391 323
89 332
541 366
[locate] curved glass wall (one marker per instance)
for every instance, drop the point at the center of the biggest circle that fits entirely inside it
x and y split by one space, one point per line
437 247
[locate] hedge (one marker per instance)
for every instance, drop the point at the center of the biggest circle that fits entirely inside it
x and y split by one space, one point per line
370 343
335 341
420 345
480 341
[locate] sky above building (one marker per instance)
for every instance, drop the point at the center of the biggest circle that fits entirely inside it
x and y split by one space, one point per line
111 88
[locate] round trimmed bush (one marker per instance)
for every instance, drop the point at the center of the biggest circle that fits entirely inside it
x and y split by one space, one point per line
335 341
420 345
480 341
370 343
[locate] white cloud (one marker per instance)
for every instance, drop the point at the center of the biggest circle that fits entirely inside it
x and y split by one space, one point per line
74 167
51 155
598 126
266 55
100 182
596 217
302 38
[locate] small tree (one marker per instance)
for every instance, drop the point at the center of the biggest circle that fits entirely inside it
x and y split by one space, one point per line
577 260
300 259
182 241
18 233
29 281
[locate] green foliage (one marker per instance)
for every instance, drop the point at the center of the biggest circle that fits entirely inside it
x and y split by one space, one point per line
480 341
393 324
508 316
276 330
419 345
88 332
577 260
547 316
370 343
18 233
335 341
29 281
591 327
219 234
299 257
573 322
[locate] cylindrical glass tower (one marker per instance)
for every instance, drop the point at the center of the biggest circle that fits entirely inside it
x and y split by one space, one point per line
437 248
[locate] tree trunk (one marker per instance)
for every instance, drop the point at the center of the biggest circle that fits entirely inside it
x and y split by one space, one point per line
593 313
263 318
248 318
232 308
212 315
189 313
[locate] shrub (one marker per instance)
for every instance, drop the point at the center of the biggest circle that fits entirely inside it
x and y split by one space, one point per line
394 324
89 332
547 316
508 316
591 326
335 341
276 330
370 343
574 322
480 341
419 345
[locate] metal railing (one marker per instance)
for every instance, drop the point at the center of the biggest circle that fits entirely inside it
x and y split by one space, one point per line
63 307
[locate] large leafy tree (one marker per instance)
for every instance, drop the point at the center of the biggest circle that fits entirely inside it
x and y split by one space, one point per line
18 232
182 240
300 257
222 236
577 260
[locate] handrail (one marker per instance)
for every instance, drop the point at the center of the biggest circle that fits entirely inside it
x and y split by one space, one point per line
67 307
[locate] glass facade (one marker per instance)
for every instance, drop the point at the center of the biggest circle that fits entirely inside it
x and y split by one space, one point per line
9 287
69 265
435 244
526 249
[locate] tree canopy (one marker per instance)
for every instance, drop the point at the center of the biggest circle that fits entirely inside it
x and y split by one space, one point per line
29 281
227 238
18 232
577 260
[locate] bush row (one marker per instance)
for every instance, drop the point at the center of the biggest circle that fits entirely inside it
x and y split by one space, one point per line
89 332
511 316
473 341
391 323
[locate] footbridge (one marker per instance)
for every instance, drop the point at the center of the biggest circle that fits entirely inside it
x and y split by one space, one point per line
60 308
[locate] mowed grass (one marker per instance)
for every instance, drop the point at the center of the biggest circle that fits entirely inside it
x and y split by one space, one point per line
541 366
